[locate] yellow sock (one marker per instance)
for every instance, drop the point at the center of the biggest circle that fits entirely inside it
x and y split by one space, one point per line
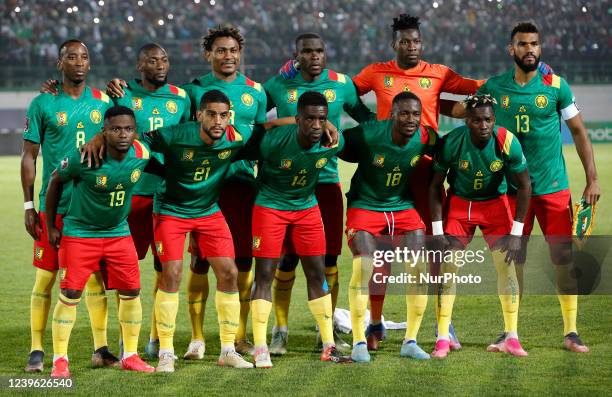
508 290
358 295
445 301
245 282
281 296
130 319
569 311
519 277
228 313
166 307
97 306
40 303
331 276
260 312
197 293
153 333
64 317
321 309
416 302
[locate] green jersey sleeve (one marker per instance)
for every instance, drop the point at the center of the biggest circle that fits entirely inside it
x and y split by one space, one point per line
158 140
251 151
70 167
442 157
566 103
186 116
354 106
516 160
34 127
353 141
269 87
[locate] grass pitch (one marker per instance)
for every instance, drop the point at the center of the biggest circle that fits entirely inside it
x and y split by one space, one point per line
549 370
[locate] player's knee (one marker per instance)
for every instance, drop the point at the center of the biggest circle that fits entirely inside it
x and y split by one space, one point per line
561 254
244 264
199 265
72 293
331 260
131 293
288 263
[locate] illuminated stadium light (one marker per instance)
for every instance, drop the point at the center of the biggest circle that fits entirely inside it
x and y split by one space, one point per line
213 2
69 10
17 9
196 1
435 4
321 14
96 20
75 9
101 3
140 3
160 22
584 9
170 16
130 18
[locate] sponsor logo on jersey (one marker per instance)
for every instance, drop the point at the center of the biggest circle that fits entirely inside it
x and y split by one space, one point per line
303 171
62 118
119 186
397 168
80 125
247 99
496 165
388 81
135 176
479 173
205 162
330 95
101 181
159 248
137 103
95 116
39 253
464 164
256 242
292 95
321 162
379 160
155 111
425 82
541 101
522 109
285 164
224 154
171 106
505 101
187 155
406 88
415 160
64 163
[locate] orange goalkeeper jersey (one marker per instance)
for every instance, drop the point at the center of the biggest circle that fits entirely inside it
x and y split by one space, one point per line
426 80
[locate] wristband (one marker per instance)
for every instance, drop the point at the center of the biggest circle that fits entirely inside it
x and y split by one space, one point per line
436 228
28 205
517 228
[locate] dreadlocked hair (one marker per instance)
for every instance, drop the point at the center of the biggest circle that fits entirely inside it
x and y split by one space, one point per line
476 101
221 31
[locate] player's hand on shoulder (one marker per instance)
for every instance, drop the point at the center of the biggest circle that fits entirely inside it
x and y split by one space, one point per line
330 135
591 192
54 236
290 69
49 87
93 150
32 223
114 88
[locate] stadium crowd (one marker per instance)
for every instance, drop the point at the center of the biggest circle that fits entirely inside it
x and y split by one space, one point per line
356 31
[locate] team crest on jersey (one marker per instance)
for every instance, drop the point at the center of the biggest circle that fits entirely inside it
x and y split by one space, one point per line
256 242
247 99
505 102
80 125
379 160
522 109
496 165
155 111
285 164
541 101
224 154
62 118
463 164
95 116
137 103
415 160
171 106
292 95
101 181
39 253
135 175
425 82
321 162
159 248
330 95
187 155
388 81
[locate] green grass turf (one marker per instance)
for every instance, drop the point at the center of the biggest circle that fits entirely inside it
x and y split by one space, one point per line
548 370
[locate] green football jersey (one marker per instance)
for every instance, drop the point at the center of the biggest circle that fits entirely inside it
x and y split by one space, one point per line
193 171
534 113
287 173
169 105
248 107
101 196
381 182
340 93
60 124
479 174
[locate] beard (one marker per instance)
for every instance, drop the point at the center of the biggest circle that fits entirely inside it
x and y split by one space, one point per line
525 67
158 83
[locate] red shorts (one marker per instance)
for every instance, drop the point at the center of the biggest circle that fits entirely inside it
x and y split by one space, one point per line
553 211
492 216
211 234
302 230
140 220
329 196
236 202
45 255
79 257
379 223
419 185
